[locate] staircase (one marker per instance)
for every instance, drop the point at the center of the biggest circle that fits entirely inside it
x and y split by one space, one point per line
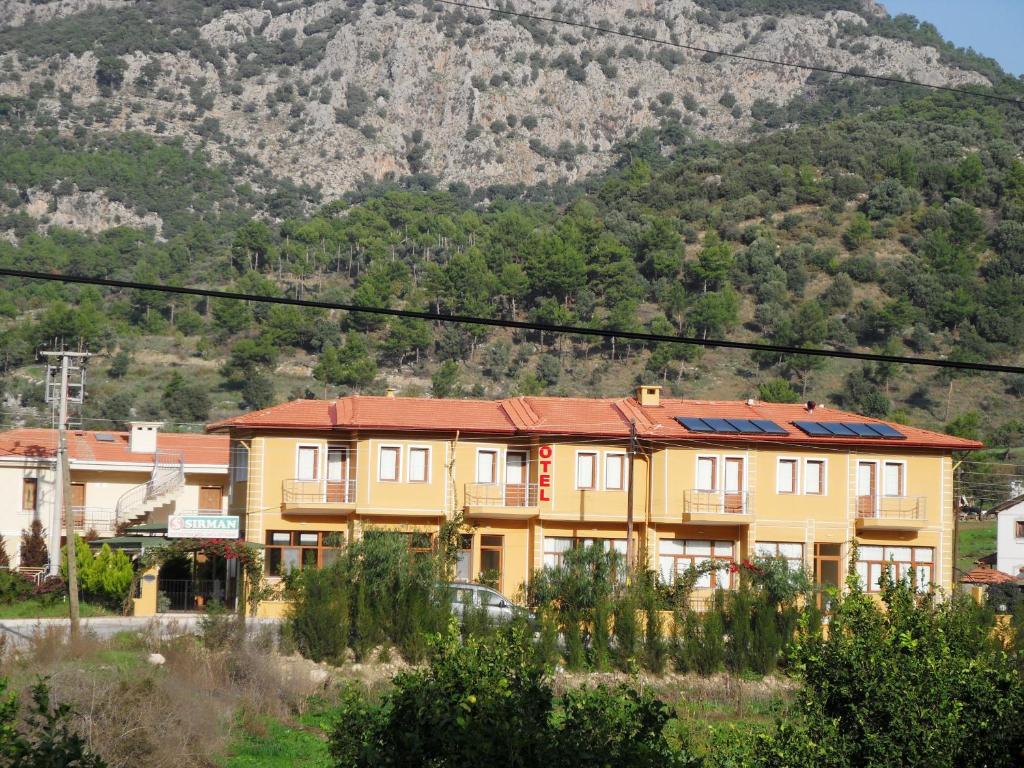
163 487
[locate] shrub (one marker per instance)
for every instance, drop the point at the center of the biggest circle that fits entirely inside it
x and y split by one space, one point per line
45 738
14 587
33 546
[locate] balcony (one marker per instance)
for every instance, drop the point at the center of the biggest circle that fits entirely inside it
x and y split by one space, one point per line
499 500
318 496
85 519
717 508
891 513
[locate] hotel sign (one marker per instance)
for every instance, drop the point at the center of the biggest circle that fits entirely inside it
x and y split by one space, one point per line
202 527
544 476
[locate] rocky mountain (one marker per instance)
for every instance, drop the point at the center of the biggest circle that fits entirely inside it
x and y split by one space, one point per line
329 93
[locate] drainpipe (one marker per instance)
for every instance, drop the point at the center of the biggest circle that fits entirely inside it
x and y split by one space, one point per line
629 498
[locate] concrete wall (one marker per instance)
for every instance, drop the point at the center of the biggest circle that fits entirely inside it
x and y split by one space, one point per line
1010 557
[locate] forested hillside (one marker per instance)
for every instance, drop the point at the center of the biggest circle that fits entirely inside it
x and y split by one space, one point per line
847 216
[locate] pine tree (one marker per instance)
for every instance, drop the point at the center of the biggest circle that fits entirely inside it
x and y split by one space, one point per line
5 561
33 546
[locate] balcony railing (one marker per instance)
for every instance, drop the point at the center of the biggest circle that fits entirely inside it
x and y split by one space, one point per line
501 495
87 519
319 491
891 507
716 502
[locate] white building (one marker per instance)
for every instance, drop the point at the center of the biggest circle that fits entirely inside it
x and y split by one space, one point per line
1010 536
117 478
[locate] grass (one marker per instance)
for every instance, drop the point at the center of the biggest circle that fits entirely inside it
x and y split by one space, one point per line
977 539
37 609
279 746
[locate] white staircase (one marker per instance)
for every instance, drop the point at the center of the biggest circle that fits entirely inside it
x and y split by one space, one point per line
163 487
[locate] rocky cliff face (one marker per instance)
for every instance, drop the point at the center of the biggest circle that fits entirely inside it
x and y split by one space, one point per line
332 92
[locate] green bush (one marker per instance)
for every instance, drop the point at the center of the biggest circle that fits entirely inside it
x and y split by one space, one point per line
43 738
14 587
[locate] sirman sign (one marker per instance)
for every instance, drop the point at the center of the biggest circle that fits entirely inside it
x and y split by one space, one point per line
202 526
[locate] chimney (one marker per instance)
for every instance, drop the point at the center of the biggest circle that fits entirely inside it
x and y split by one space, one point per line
648 396
390 393
142 437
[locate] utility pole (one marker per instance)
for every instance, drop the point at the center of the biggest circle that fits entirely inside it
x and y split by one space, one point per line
629 497
65 385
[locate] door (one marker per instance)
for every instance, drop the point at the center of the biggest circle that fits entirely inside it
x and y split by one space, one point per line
827 559
78 504
516 476
337 475
210 498
867 494
734 501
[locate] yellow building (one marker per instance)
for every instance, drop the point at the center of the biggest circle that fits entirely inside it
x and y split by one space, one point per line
538 475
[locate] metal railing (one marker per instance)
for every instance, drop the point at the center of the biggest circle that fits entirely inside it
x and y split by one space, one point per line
891 507
167 476
192 594
100 519
697 502
296 491
501 495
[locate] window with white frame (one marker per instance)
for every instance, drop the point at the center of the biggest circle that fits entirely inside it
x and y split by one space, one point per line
675 556
707 473
913 563
791 552
487 466
307 462
786 474
586 470
555 547
614 471
389 460
814 477
893 478
419 465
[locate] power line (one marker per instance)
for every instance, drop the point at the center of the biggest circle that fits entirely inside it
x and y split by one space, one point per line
727 54
572 330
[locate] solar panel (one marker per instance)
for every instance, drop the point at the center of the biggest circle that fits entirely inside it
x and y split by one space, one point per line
746 426
886 431
694 425
838 429
103 437
862 430
720 425
812 428
768 427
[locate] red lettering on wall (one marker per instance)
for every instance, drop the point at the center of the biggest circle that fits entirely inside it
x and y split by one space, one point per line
544 495
544 476
545 481
545 451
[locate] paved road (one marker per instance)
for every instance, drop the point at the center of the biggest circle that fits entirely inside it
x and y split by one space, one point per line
19 632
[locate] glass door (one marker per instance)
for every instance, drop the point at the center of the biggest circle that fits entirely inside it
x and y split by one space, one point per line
867 493
337 475
734 496
516 477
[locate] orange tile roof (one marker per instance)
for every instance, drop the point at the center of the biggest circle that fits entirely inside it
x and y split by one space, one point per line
84 446
985 575
569 416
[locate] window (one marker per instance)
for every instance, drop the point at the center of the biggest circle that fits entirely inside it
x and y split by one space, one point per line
786 482
419 465
464 559
240 468
814 477
675 556
707 475
913 563
1018 528
307 464
614 471
29 494
555 547
893 479
791 552
388 463
487 467
491 547
586 470
291 550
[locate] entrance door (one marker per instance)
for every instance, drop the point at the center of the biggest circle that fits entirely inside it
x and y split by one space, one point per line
827 558
516 476
867 485
78 504
734 485
337 475
210 498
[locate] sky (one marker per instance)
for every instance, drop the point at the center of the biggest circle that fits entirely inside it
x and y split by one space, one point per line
992 27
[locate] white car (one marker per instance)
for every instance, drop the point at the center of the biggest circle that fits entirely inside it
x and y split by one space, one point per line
499 608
